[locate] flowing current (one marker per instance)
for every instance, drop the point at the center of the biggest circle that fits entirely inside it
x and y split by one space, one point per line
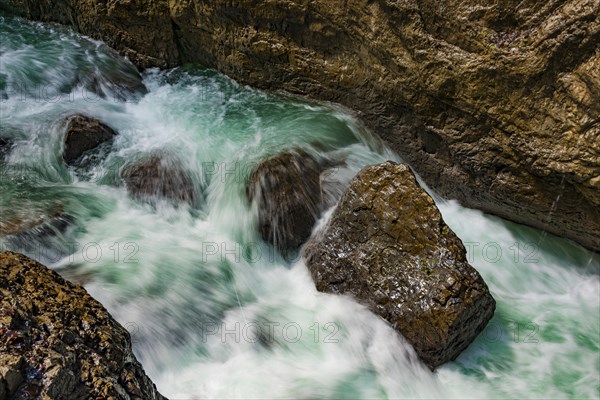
194 285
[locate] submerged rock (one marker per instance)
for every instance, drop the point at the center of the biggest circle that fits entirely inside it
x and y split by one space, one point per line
114 79
83 134
5 147
388 246
159 176
57 342
33 222
287 188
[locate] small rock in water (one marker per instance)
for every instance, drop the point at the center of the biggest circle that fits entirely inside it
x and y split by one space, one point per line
113 80
388 246
159 176
288 190
83 134
34 222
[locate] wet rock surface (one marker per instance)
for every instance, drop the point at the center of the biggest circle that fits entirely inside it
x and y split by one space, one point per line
159 176
58 342
494 104
11 374
114 80
84 134
388 246
287 188
33 222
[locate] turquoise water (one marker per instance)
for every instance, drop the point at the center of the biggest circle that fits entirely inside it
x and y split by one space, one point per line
192 284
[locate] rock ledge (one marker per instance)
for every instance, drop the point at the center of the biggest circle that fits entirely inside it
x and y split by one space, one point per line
56 341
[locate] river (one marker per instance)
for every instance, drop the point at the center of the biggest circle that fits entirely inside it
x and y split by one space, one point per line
193 284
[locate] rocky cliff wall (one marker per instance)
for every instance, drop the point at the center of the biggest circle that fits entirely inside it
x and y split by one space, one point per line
492 103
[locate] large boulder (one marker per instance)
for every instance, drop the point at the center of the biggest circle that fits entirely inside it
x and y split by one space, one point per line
388 246
57 342
159 176
83 134
287 189
492 103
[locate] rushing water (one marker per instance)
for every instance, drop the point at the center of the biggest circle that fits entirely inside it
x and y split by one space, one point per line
193 284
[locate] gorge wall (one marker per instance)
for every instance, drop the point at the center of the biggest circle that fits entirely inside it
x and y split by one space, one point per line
492 103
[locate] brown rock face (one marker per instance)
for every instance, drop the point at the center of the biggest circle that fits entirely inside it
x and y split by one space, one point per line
58 342
388 246
288 190
11 374
494 104
84 133
159 176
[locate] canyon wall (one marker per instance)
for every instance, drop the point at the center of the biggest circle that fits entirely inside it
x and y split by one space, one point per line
495 104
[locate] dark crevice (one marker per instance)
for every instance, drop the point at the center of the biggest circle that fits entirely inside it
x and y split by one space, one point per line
177 39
